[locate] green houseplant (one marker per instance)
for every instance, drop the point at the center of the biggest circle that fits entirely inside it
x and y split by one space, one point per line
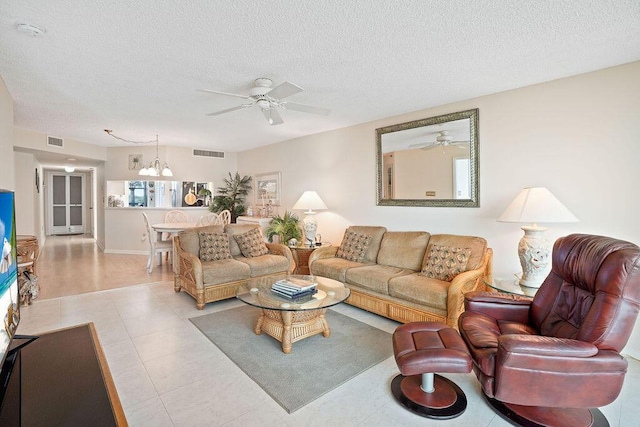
231 196
286 227
205 194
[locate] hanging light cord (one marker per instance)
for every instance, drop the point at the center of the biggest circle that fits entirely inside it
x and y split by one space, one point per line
110 133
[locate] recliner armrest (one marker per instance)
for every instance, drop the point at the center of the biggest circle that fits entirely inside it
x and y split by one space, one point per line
499 306
546 346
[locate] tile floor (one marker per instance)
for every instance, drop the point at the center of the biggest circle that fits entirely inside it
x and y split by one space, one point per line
168 374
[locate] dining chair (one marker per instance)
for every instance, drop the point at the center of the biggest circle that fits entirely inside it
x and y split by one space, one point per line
209 219
174 216
156 247
224 217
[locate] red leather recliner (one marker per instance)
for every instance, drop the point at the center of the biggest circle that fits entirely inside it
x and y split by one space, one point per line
537 358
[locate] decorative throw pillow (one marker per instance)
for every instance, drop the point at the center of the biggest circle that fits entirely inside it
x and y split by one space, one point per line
354 246
214 246
445 262
251 243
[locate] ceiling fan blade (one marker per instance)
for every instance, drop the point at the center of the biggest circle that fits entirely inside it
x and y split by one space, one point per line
421 144
306 108
217 92
461 144
283 90
272 116
237 107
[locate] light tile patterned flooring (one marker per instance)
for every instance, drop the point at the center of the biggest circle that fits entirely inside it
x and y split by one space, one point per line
167 373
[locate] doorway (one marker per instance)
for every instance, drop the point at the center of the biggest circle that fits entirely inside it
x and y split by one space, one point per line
66 207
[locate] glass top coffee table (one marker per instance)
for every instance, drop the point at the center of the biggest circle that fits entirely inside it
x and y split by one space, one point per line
289 320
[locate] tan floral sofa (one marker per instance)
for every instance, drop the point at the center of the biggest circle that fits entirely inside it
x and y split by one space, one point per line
406 276
214 261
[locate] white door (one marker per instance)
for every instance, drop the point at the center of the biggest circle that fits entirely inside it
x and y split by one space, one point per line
461 178
66 192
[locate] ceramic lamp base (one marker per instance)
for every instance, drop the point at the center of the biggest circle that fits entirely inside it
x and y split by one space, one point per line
534 251
310 226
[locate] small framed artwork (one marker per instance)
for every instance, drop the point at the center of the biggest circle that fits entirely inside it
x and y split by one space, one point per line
268 188
135 161
37 180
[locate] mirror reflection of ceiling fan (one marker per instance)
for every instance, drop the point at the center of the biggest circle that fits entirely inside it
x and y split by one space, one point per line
442 140
270 100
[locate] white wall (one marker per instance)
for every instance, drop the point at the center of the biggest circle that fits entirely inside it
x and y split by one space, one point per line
35 140
6 138
26 196
578 136
125 230
183 164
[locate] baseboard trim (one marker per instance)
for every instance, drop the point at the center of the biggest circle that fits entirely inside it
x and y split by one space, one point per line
125 252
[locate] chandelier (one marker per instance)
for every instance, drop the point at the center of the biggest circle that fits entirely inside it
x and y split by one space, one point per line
154 168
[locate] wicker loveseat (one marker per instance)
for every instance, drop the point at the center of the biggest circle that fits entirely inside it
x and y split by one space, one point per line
214 280
394 275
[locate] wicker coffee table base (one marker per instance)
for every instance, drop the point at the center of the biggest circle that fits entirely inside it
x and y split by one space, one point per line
291 326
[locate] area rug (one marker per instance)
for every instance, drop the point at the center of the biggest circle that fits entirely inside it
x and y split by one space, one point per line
315 366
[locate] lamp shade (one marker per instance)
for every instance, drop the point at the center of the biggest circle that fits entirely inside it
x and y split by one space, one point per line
310 201
537 205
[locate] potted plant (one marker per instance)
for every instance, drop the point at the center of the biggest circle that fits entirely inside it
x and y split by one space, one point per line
231 196
286 227
205 193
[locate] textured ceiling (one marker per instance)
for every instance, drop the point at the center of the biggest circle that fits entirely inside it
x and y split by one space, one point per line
135 66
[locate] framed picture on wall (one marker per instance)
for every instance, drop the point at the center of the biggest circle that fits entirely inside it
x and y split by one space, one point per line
268 188
135 161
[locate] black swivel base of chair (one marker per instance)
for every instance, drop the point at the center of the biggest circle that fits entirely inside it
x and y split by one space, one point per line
538 416
446 401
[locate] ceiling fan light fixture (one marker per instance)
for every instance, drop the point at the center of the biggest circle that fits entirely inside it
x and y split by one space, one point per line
28 29
264 104
267 98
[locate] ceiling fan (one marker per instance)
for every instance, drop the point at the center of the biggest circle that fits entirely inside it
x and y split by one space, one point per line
270 100
442 140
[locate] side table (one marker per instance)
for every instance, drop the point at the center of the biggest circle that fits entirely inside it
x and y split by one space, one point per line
511 286
301 254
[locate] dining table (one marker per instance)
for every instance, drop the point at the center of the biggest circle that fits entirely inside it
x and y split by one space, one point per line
173 229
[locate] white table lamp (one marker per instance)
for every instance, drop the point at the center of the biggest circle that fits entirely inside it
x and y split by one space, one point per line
310 201
535 205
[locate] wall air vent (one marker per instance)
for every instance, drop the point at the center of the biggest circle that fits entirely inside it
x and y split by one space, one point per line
52 141
207 153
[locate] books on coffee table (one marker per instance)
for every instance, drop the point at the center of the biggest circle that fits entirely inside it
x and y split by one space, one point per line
294 288
298 296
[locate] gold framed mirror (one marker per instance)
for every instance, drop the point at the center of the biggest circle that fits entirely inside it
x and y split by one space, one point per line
429 162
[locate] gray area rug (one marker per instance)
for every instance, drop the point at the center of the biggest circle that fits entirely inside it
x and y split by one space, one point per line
315 366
